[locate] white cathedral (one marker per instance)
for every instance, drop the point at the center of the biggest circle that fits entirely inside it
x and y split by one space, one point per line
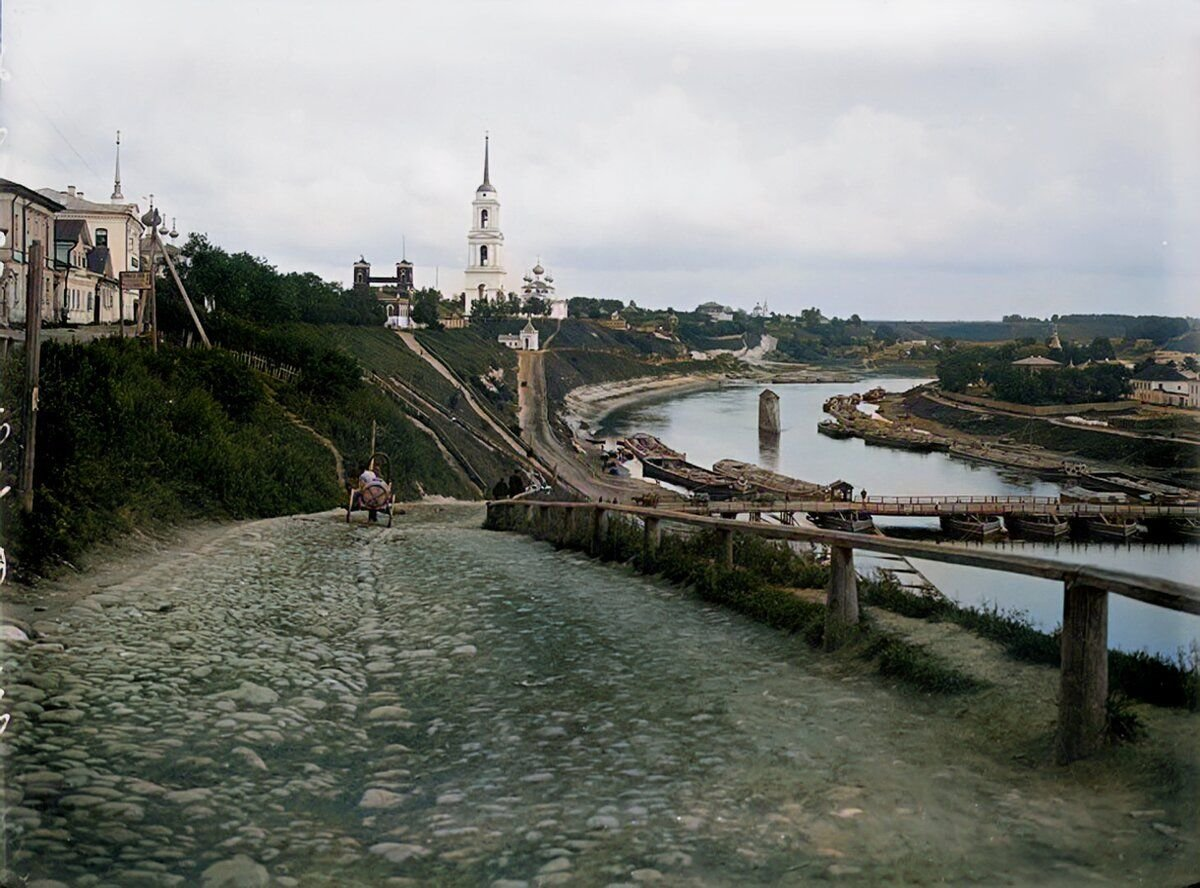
485 244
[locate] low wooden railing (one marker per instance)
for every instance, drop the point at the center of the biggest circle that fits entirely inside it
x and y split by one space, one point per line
1084 653
934 506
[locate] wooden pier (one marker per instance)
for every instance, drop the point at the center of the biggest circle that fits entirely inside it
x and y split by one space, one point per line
1084 648
937 506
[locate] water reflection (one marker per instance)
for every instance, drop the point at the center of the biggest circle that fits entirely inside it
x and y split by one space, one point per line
768 449
687 422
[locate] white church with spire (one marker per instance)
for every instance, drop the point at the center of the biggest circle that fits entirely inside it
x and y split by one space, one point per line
484 278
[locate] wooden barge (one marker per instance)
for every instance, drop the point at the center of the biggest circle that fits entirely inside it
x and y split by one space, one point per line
1038 526
907 441
833 429
976 527
851 520
1104 527
766 481
662 463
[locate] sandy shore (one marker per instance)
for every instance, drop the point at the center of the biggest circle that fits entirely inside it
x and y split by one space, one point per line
591 403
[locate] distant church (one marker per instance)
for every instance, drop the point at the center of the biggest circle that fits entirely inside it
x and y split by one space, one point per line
395 294
485 244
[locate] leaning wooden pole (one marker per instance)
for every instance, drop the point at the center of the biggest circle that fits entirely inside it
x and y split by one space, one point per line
34 285
182 291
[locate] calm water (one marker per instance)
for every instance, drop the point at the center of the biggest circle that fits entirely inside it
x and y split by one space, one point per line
723 424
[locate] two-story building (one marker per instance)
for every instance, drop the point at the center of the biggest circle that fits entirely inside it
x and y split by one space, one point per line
1166 384
84 281
115 226
25 216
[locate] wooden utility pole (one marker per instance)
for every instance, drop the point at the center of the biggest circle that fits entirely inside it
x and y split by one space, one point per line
34 284
153 304
182 290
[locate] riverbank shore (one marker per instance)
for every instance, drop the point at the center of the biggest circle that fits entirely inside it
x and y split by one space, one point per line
591 403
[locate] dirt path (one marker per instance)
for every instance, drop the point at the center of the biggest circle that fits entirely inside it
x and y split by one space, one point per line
567 465
339 467
505 435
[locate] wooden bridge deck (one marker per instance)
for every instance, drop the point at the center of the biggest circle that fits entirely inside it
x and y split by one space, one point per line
934 506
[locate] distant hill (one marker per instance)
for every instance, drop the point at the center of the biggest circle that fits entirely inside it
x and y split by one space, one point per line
1078 327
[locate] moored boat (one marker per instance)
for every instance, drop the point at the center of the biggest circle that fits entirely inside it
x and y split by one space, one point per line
1103 527
851 520
978 527
1038 526
832 429
645 446
766 481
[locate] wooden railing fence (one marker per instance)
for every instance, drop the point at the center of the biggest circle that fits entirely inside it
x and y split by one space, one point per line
1084 653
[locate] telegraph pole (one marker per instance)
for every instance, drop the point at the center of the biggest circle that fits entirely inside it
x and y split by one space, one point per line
34 285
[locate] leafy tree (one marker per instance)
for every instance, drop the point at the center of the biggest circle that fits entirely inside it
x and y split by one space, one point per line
425 307
536 305
886 334
1190 364
1102 349
811 317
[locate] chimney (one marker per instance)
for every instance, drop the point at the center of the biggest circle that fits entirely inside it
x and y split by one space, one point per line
71 190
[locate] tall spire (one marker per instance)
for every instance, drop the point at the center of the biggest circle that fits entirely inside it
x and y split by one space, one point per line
117 195
487 182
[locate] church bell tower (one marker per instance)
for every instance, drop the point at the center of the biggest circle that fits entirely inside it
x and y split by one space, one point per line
484 277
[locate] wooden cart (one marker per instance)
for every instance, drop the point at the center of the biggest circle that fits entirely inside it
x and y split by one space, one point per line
376 496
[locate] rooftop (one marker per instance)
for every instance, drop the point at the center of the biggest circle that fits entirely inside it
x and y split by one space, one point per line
1160 373
11 187
75 203
1036 361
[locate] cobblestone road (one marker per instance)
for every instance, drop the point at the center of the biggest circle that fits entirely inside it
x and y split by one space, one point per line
300 702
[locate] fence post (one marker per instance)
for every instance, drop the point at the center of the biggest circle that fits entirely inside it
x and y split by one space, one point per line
841 599
599 529
727 549
1083 688
650 538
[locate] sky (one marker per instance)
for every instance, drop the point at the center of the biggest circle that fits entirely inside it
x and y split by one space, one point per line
921 160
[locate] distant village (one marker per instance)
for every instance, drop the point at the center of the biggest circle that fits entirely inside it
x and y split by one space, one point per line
97 251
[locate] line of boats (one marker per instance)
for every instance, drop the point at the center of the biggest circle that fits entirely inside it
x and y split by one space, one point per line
730 479
1041 526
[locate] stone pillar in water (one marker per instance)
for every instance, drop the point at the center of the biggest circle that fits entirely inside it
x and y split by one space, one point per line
768 412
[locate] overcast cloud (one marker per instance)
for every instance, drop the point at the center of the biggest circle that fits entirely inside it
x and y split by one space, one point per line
895 159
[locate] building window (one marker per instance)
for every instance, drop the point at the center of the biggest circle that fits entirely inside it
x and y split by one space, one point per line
102 237
483 218
91 304
483 255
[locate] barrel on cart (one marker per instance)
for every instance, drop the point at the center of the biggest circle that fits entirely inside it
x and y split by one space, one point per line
374 497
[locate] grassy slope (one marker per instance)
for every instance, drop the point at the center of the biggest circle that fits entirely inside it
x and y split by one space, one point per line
128 438
471 439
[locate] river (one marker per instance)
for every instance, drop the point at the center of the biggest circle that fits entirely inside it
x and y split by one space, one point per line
722 423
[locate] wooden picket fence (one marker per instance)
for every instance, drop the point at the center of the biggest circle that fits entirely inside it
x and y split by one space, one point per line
282 372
